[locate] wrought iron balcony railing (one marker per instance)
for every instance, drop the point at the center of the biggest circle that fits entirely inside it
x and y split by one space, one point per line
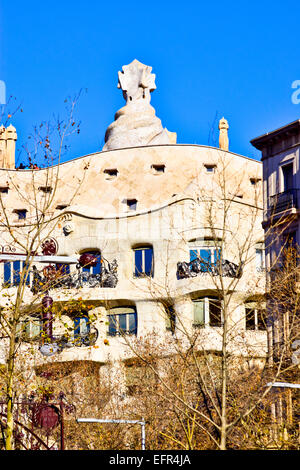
283 201
63 341
196 267
42 281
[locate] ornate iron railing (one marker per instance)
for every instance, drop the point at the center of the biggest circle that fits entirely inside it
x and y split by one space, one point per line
197 267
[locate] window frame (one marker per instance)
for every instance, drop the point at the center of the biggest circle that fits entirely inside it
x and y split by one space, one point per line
207 321
142 274
12 273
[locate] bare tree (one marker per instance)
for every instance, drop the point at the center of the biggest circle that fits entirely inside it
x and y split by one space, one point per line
203 368
28 237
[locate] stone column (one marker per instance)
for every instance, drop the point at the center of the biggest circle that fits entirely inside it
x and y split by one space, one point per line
2 146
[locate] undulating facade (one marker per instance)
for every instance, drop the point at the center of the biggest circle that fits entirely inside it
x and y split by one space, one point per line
168 227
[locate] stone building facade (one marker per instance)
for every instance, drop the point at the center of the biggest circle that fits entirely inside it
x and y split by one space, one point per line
168 226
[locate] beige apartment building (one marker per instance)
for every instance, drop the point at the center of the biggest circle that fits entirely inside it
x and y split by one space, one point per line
149 233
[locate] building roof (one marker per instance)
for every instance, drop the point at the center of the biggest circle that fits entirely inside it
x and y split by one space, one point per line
278 134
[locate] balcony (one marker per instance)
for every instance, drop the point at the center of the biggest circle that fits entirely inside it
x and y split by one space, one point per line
54 279
283 202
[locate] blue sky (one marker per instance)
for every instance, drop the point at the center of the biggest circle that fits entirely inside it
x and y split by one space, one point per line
235 59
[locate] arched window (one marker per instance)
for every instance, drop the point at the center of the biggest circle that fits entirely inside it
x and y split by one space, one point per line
122 320
93 269
143 261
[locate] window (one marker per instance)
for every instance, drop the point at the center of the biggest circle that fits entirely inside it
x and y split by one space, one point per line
21 213
143 262
111 173
4 189
260 258
122 320
45 189
207 312
61 207
208 254
255 181
255 317
170 318
210 167
138 376
131 204
289 240
12 273
158 169
93 269
81 327
30 329
63 269
288 178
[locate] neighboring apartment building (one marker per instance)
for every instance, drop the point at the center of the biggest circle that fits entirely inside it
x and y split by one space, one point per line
150 214
281 176
281 186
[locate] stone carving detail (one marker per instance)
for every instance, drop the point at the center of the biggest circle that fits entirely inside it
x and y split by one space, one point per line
193 268
136 123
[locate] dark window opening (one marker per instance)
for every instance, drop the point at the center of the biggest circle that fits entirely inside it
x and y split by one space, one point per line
60 207
4 189
111 172
131 204
12 273
63 269
215 312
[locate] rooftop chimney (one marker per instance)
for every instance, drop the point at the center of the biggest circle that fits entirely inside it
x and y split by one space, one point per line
8 137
